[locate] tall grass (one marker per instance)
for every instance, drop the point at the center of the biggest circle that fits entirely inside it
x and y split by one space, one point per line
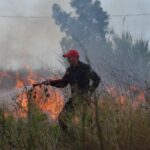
103 125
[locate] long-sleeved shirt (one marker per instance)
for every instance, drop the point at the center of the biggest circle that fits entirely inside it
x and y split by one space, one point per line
81 78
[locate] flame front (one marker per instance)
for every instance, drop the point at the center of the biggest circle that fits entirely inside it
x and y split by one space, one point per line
50 102
134 94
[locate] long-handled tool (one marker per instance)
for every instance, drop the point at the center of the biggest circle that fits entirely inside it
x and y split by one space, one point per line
42 83
17 91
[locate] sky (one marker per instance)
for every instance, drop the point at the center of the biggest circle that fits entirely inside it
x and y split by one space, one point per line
28 41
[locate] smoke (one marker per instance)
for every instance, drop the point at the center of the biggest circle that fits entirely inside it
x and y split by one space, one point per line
28 40
31 40
123 60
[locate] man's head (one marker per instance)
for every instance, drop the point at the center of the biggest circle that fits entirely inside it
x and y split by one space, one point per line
72 56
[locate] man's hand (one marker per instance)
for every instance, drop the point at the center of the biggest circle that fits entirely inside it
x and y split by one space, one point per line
36 84
47 82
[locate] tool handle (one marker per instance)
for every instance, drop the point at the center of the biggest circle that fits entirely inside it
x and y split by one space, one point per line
37 84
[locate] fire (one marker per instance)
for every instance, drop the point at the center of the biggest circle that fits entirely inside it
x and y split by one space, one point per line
50 101
22 102
19 84
134 94
139 96
53 105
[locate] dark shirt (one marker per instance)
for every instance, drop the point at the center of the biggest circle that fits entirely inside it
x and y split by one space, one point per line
81 78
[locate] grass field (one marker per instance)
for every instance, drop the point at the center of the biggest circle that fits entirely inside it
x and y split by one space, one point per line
104 125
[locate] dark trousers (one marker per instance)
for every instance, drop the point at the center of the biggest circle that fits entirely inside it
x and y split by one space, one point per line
68 108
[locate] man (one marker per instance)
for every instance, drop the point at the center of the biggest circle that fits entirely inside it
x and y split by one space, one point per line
79 75
82 79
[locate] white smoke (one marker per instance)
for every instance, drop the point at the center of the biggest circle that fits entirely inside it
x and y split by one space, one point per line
26 41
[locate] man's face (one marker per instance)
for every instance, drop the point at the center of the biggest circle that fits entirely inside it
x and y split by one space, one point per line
73 60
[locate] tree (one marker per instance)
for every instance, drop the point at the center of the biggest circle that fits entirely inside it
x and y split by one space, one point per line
86 30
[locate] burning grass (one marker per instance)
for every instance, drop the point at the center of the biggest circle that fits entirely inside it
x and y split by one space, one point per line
48 99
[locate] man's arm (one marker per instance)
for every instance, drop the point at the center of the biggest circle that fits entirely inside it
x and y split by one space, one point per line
60 83
95 79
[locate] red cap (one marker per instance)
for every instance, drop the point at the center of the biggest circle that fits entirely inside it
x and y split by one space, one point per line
72 53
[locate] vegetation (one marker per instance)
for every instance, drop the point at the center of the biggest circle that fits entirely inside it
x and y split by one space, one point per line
104 125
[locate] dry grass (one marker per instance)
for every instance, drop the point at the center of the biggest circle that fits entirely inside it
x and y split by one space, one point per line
103 126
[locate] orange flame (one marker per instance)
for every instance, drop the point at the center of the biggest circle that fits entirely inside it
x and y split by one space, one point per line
50 105
134 93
